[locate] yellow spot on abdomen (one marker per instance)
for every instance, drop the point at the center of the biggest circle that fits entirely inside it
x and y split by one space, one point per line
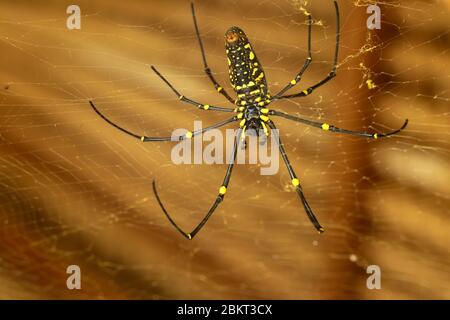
261 75
252 55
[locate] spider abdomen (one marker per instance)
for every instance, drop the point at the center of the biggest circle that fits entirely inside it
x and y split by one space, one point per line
247 76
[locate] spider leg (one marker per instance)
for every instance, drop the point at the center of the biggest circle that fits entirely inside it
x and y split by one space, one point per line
206 68
219 199
187 135
327 127
308 61
330 76
187 100
294 180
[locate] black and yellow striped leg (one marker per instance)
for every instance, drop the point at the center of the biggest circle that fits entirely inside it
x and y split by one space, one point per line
327 127
330 76
308 61
187 100
207 70
219 199
187 135
294 180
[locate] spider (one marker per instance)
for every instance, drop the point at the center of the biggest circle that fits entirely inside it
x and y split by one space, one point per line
251 110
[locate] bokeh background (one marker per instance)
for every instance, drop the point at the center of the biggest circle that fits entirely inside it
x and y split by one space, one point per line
74 190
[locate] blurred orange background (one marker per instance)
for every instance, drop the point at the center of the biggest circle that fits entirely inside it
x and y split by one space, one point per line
76 191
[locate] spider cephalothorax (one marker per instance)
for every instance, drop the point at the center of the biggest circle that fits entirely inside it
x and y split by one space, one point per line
249 82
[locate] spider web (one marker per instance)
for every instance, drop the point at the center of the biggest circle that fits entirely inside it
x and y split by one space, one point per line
74 190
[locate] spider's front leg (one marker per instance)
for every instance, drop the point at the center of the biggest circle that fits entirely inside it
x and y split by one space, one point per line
330 76
308 61
206 68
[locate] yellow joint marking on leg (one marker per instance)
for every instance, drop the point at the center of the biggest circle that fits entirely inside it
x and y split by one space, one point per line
206 106
222 190
325 126
229 61
305 92
189 236
240 115
252 55
241 108
243 102
189 134
265 111
321 230
142 138
264 118
219 89
238 87
241 95
295 182
375 136
242 123
258 99
235 110
262 103
265 128
181 97
293 81
243 134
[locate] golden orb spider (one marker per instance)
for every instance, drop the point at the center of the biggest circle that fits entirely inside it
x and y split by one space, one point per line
251 110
